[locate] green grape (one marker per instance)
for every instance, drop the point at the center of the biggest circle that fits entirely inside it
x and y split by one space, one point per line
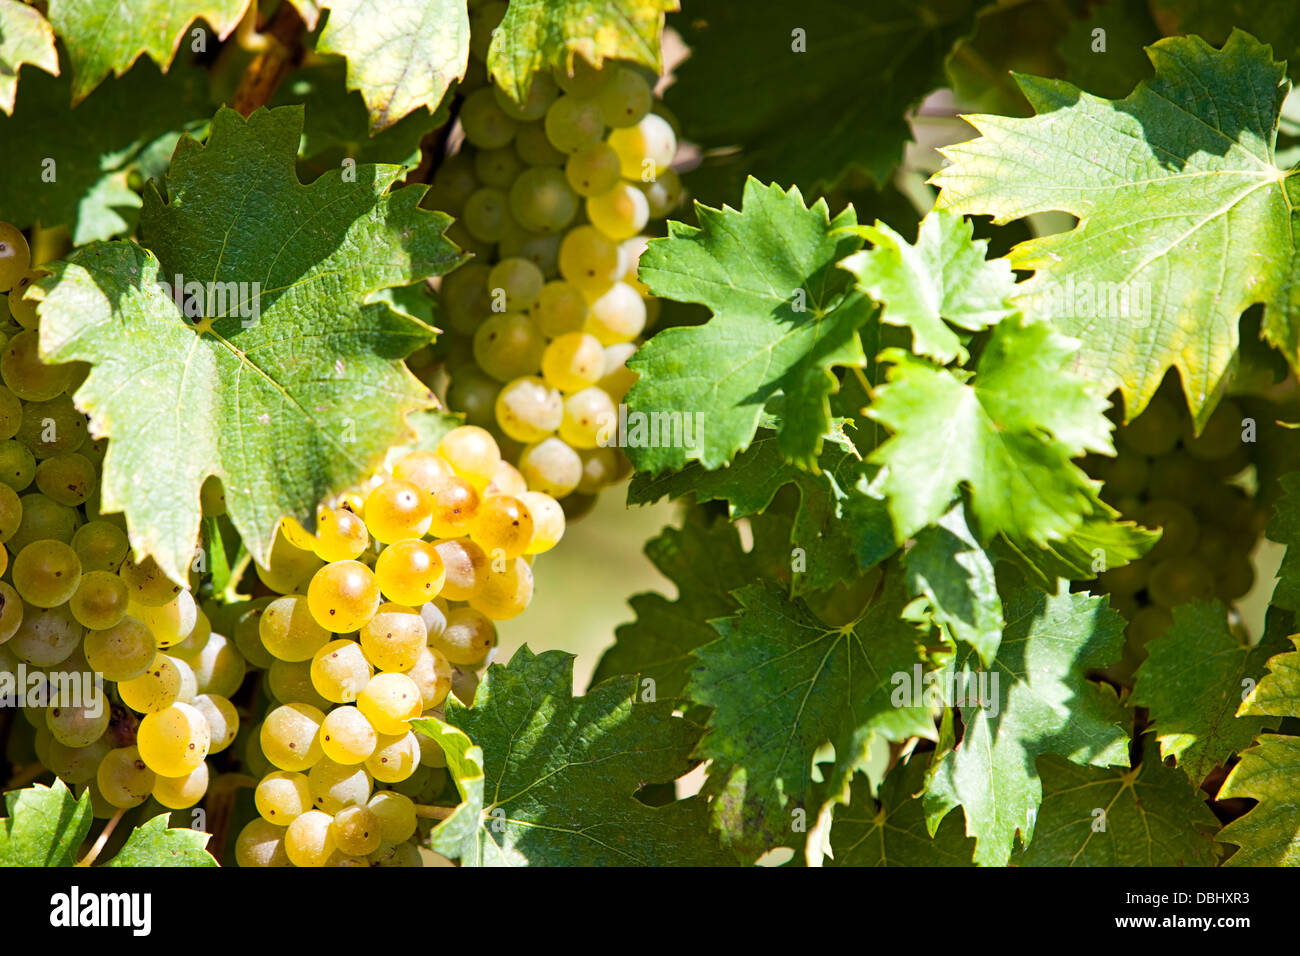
1180 579
100 545
171 623
487 213
474 394
11 512
46 573
485 124
45 636
340 671
465 565
646 149
408 572
534 148
291 683
389 700
527 409
478 248
618 315
542 201
218 666
356 832
124 779
549 466
77 726
504 527
261 844
663 194
574 123
393 639
282 796
251 749
548 521
395 759
560 309
585 80
290 568
434 613
222 720
173 741
1123 475
335 786
498 167
1177 522
22 306
1148 624
617 377
619 213
67 479
147 583
290 736
163 683
464 297
248 637
308 841
508 345
1156 431
180 793
625 98
346 736
542 92
589 417
396 816
472 454
1179 477
1128 579
504 595
1222 435
600 469
540 249
1236 576
100 600
74 765
11 413
470 634
572 362
212 496
591 261
17 464
343 596
288 630
15 256
122 652
593 170
431 754
432 675
520 284
43 519
26 375
452 184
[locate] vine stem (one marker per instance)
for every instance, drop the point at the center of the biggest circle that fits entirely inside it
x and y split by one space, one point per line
107 832
269 68
435 813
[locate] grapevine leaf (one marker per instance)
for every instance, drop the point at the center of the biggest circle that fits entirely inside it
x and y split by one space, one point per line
1284 528
1269 833
284 407
1278 692
1276 22
1075 556
44 826
127 124
25 38
947 565
1034 700
560 772
891 831
784 317
402 54
782 684
943 279
1193 681
813 92
102 37
1174 183
546 34
154 844
1149 816
1008 435
456 837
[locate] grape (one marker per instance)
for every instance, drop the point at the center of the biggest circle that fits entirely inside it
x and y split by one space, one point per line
534 148
123 778
308 841
45 637
520 281
1156 430
296 534
618 315
290 568
122 652
1177 580
76 765
504 595
646 149
395 814
663 193
497 167
591 261
560 309
432 675
67 479
431 754
26 375
1236 576
486 125
452 185
147 583
472 453
550 466
1123 475
179 793
590 418
22 306
465 565
43 519
1148 624
487 213
222 720
290 736
261 844
506 480
389 700
464 297
434 613
618 378
395 759
504 526
100 545
548 521
15 256
1129 579
17 465
540 249
11 413
1222 435
357 831
1179 477
409 572
343 596
582 79
11 512
52 428
424 469
527 409
46 573
292 683
335 786
625 98
218 666
600 469
340 535
393 639
619 213
542 201
340 671
574 123
474 394
469 636
75 726
100 600
171 623
455 506
397 509
173 741
346 736
1178 524
542 91
508 345
573 361
282 796
593 171
248 639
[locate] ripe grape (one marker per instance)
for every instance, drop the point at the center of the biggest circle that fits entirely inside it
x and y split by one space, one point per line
397 509
591 261
46 573
560 309
261 844
465 565
396 815
625 98
340 671
180 793
508 345
343 596
124 779
308 841
15 256
335 786
520 280
409 572
389 700
290 736
122 652
621 212
528 409
472 454
617 315
541 200
645 149
455 507
174 741
393 639
593 171
504 595
346 736
468 638
222 719
504 526
395 758
574 123
551 466
486 125
357 831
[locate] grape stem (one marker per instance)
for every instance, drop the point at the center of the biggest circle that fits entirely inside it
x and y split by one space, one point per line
435 813
269 68
104 834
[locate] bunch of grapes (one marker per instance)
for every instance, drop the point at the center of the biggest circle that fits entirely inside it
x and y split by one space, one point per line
552 197
1199 491
386 609
73 604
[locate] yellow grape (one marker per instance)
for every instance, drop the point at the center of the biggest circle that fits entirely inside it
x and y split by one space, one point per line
340 535
174 741
357 831
261 844
397 509
393 639
455 505
395 758
389 700
147 583
548 521
308 841
282 796
506 481
396 815
410 572
505 593
346 736
122 652
180 793
296 534
289 631
432 674
589 416
160 686
124 779
343 596
504 525
335 786
468 637
465 564
573 361
340 671
290 736
100 601
424 469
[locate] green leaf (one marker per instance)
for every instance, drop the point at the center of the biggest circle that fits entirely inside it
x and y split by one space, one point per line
1284 528
102 37
808 117
1172 184
947 565
891 831
1277 694
1147 816
44 826
1194 680
1276 22
1034 700
285 407
1269 833
25 38
1008 436
546 34
127 124
456 837
1075 557
154 844
782 684
560 772
943 279
402 54
784 317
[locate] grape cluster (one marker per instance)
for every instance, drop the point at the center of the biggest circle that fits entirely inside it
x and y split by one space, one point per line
552 197
389 606
72 602
1197 490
